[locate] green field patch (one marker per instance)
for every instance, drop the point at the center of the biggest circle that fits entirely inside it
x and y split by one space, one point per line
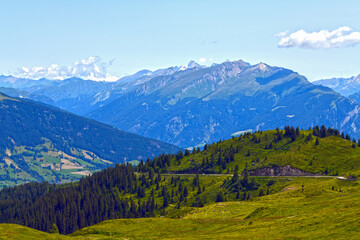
51 159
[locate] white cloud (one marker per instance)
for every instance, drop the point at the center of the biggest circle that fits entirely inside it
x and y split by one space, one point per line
91 68
202 60
338 38
205 60
282 34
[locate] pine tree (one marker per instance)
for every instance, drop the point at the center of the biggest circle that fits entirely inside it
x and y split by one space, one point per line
196 180
244 196
151 173
245 180
223 165
323 131
186 193
261 192
309 137
220 197
235 178
181 198
166 201
199 190
293 134
317 142
249 196
180 188
198 202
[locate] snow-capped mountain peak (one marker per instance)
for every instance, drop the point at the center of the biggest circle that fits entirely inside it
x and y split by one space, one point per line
191 64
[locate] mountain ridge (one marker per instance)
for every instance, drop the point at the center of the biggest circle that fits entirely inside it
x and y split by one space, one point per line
344 86
41 142
200 105
208 99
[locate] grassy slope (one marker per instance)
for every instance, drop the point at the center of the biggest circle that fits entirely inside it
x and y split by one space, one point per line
13 231
333 153
315 212
47 164
306 208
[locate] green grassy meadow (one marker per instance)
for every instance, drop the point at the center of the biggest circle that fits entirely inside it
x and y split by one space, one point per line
305 208
333 155
308 208
313 207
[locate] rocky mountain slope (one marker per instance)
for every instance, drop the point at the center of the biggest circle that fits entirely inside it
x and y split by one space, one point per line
194 105
199 106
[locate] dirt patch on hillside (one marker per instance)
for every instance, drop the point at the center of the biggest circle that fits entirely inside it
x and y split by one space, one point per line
66 155
66 164
8 161
106 161
8 152
86 155
289 188
84 173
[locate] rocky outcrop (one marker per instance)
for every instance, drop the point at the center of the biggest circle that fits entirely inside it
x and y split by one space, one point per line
280 171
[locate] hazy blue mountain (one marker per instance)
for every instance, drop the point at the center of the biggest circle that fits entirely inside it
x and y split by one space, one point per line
355 96
193 104
123 86
39 142
28 123
23 83
344 86
12 92
201 105
73 94
78 95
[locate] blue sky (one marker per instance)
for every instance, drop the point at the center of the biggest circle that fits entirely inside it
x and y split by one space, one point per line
157 34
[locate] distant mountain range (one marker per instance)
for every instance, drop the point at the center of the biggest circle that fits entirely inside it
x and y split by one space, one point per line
40 142
344 86
194 105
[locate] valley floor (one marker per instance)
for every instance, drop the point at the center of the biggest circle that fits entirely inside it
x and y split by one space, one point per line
308 208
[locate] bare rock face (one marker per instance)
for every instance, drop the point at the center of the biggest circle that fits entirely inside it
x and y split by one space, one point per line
280 171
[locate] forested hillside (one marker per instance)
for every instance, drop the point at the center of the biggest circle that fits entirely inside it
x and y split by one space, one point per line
174 184
305 208
39 141
321 151
118 192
